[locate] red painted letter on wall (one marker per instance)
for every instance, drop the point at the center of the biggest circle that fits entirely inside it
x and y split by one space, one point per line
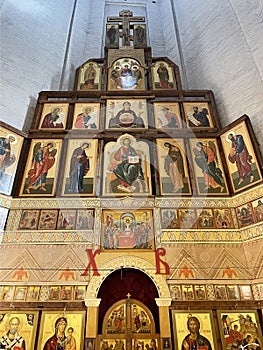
161 252
92 264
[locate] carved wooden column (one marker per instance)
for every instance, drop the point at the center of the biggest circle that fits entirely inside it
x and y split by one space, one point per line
92 305
164 304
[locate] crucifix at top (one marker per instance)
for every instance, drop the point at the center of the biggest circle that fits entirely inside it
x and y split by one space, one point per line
126 17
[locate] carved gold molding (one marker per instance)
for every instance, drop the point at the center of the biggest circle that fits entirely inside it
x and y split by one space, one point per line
163 301
95 302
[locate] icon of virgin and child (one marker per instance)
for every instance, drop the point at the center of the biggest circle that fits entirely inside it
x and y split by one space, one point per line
60 340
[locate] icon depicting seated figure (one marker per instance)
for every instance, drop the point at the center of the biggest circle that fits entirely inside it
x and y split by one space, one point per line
126 75
127 165
129 170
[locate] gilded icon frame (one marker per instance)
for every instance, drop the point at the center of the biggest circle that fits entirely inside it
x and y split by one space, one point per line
80 168
223 218
163 76
112 184
86 116
67 219
198 115
112 36
205 319
29 219
28 320
210 176
236 326
139 35
48 219
40 175
173 167
241 158
89 77
257 207
9 160
54 116
75 319
125 74
129 229
127 113
245 215
167 115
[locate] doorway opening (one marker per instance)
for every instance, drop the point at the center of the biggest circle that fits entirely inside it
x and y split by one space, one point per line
126 281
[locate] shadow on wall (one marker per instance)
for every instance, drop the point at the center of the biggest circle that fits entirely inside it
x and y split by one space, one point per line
30 114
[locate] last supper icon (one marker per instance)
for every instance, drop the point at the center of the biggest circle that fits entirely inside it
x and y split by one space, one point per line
126 114
127 229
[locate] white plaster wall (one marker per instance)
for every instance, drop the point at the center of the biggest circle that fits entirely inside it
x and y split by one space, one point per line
43 42
33 37
217 46
85 29
156 37
168 20
222 51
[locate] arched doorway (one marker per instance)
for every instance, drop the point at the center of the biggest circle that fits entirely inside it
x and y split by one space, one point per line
123 281
119 277
128 313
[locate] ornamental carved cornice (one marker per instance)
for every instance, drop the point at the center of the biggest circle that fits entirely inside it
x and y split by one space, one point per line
95 302
127 202
163 302
218 236
132 202
55 203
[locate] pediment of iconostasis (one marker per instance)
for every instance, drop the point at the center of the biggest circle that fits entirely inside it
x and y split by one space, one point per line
20 266
229 265
129 69
68 267
185 266
254 255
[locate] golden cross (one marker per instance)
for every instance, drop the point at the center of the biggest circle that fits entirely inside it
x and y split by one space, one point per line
128 295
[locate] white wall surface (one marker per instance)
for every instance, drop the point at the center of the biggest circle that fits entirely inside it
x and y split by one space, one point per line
216 44
33 40
222 51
